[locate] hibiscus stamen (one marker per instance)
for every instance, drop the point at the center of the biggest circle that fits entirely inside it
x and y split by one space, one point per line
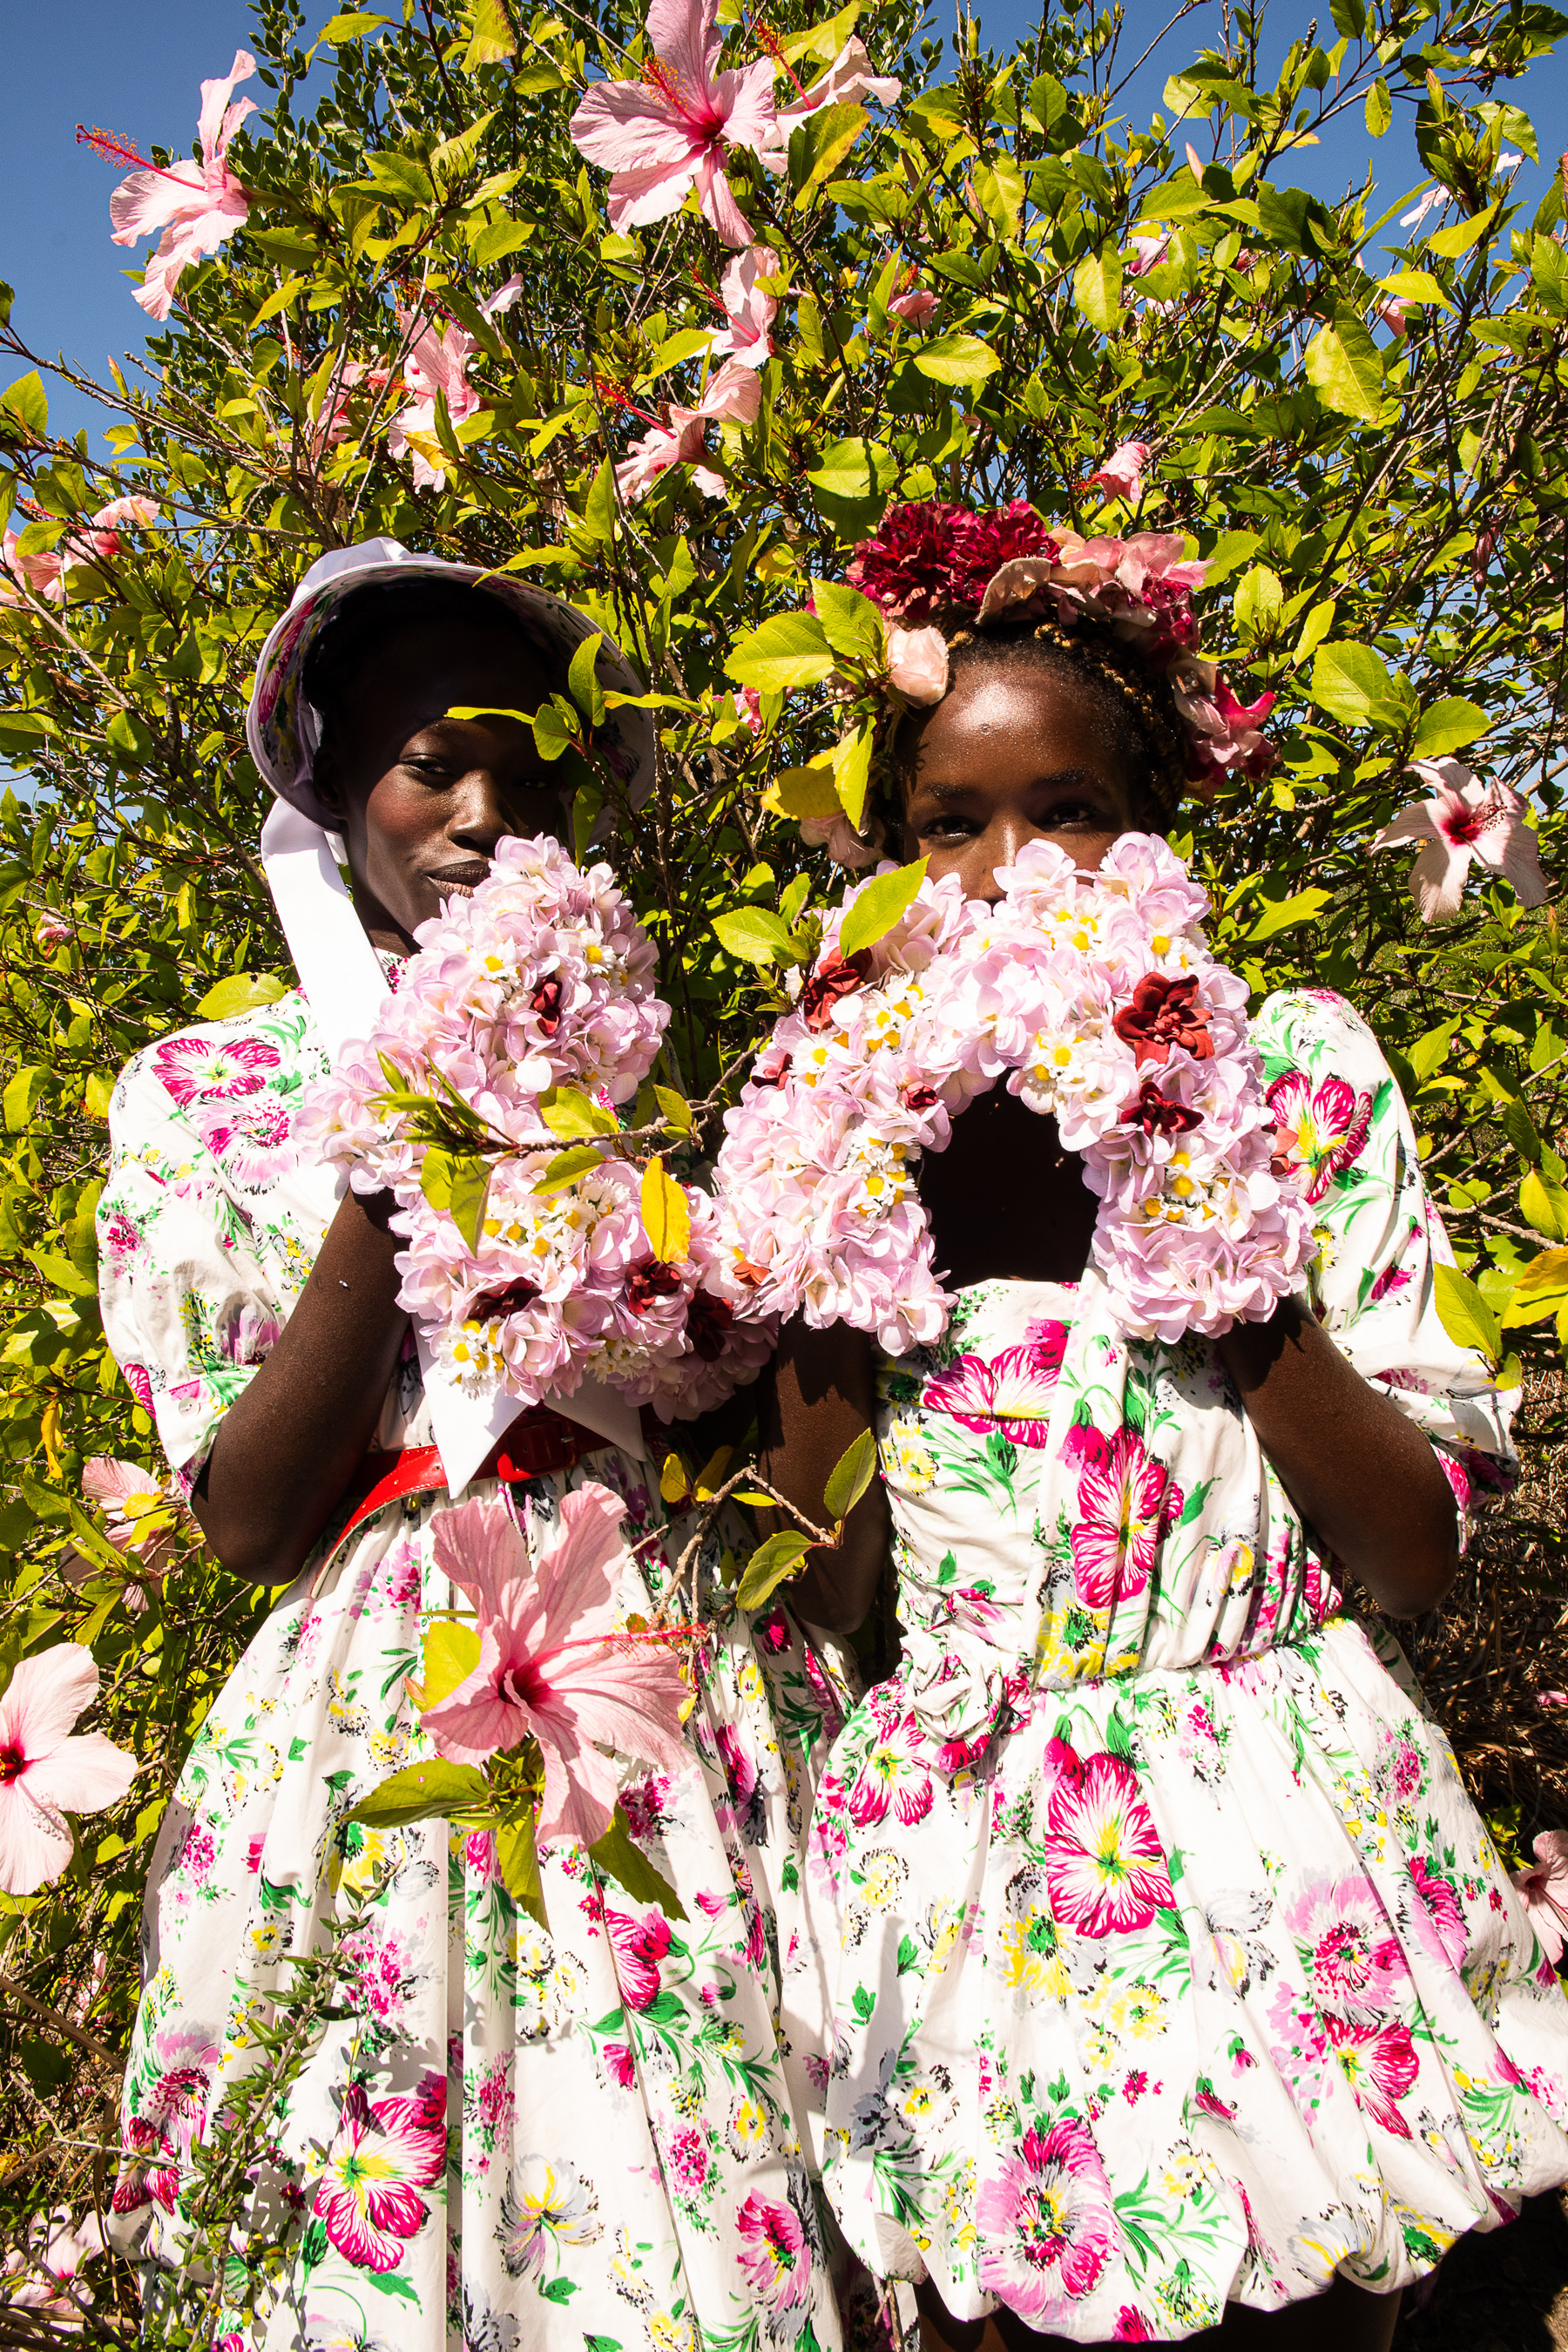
115 150
768 41
611 394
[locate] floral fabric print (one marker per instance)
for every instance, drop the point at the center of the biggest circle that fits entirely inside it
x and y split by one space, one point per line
1155 1954
513 2140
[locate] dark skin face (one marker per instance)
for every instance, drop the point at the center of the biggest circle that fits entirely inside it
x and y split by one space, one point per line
1011 755
421 799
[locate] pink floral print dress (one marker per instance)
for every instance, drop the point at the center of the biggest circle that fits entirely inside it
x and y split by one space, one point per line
1154 1955
513 2142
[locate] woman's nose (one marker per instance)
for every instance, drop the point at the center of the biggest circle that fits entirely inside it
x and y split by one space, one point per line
478 814
998 845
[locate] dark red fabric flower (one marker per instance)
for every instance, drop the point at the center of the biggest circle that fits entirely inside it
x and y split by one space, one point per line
1156 1114
650 1280
918 1099
708 1322
931 560
840 976
1163 1014
545 1005
510 1299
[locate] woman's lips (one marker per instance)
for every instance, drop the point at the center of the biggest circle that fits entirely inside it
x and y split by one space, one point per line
459 881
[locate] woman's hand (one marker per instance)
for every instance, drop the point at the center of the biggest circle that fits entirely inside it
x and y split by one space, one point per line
821 1392
1362 1477
285 1449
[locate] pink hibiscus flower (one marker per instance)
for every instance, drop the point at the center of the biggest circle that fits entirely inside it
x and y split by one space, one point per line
213 1069
773 2254
1463 819
1121 476
639 1946
1104 1864
1124 1500
1543 1890
891 1774
197 205
734 396
1013 1392
437 364
1050 2207
127 1493
552 1666
379 2159
1320 1134
671 129
45 1773
1380 2065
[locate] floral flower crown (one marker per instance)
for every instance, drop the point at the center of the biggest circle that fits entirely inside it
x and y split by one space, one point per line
940 572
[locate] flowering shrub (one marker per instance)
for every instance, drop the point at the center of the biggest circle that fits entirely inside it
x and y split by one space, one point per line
674 317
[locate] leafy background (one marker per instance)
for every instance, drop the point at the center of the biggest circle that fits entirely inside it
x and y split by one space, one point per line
1384 515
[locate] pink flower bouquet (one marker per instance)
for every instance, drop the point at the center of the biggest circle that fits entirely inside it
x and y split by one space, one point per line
1095 997
528 1015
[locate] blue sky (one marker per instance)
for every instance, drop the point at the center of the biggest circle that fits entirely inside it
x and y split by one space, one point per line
54 196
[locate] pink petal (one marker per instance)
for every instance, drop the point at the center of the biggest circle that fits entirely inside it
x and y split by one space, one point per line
573 1580
684 35
625 127
44 1698
213 129
151 200
35 1846
580 1790
1551 1854
478 1546
1437 881
473 1723
647 194
746 102
1522 866
717 199
734 396
106 1480
1412 823
623 1699
81 1774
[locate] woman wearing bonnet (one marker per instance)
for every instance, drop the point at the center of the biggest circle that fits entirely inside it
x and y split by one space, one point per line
525 2139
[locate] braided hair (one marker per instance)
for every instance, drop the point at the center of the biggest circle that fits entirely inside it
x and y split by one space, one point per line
1135 712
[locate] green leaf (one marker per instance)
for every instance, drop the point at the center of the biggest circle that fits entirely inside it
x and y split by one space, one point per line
676 1109
850 622
348 25
1541 1289
1353 684
1453 244
242 992
423 1792
567 1111
1344 368
789 650
769 1564
852 769
819 145
1415 286
517 1858
1544 1205
879 906
956 359
1465 1315
1284 914
1097 289
491 39
1260 602
850 1475
667 1220
802 792
451 1654
1350 18
1379 109
25 1087
27 402
618 1853
583 680
554 730
458 1183
566 1168
1448 726
755 935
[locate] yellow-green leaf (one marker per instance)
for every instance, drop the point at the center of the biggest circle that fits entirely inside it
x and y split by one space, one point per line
852 769
755 935
1465 1315
1544 1205
673 1483
850 1475
566 1168
567 1111
451 1654
517 1858
1097 289
423 1792
242 992
881 905
618 1853
1541 1289
780 1556
1344 368
956 359
667 1220
802 792
676 1109
459 1183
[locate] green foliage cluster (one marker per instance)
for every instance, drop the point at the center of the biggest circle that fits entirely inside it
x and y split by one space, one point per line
1386 510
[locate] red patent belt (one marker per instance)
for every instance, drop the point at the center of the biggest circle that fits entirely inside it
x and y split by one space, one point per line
537 1442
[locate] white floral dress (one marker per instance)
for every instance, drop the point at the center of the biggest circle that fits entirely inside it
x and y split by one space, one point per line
512 2139
1160 1958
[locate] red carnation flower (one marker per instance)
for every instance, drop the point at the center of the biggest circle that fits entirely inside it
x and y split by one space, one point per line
1162 1015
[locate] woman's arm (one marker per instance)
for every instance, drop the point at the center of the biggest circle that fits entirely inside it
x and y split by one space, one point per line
1362 1477
286 1450
822 1392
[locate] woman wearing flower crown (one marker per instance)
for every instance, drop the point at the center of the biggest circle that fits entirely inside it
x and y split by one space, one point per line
1161 1975
500 2137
